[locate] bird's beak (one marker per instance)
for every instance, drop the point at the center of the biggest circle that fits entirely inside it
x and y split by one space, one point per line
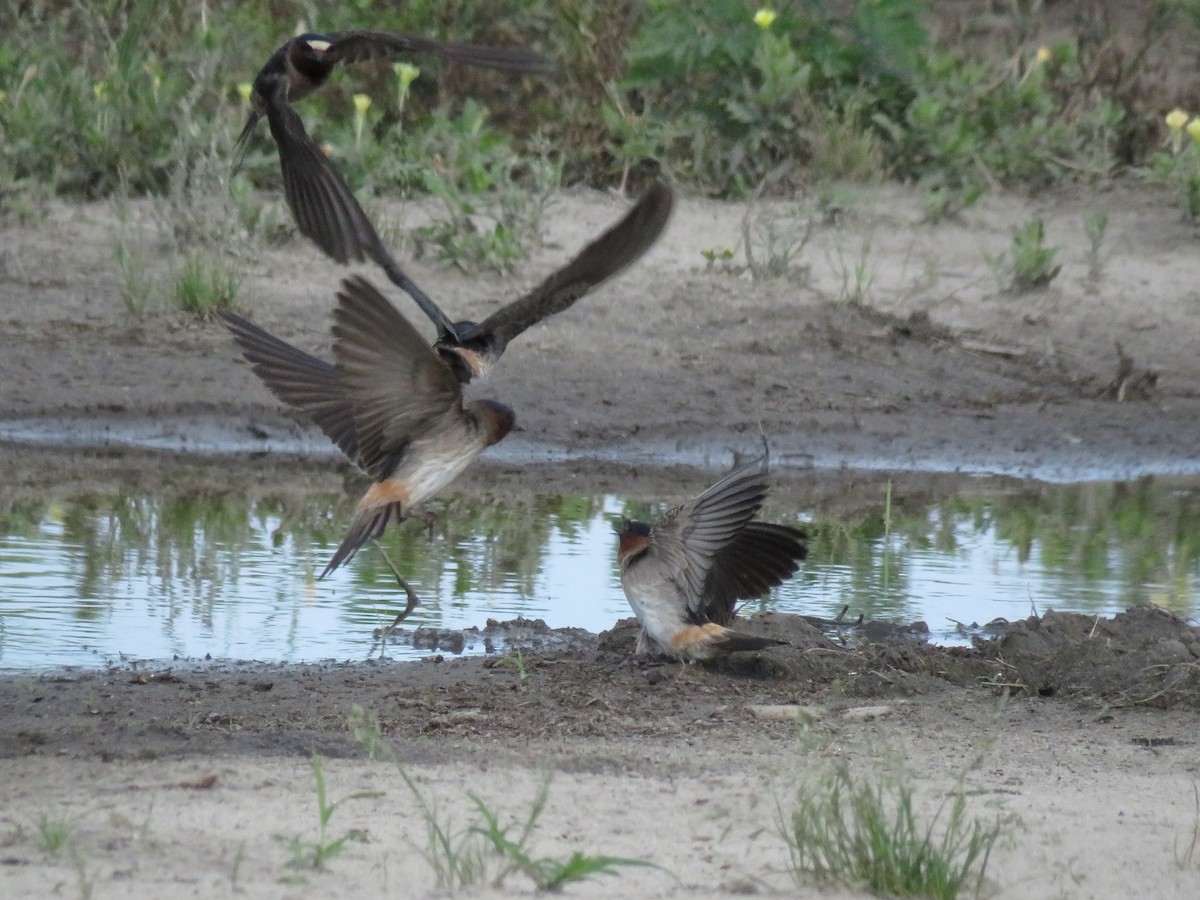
243 141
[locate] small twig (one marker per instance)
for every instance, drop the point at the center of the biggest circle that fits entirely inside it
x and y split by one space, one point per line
840 621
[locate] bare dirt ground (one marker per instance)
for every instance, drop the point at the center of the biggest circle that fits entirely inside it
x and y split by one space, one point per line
178 780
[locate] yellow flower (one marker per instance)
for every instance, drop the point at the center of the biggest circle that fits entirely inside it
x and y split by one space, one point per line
1176 119
1193 130
407 73
764 18
244 88
1043 54
361 104
100 89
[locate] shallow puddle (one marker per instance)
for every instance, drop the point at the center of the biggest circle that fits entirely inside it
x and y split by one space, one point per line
97 578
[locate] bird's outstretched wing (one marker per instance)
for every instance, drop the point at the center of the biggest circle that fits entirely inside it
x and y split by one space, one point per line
361 46
326 210
299 379
619 246
397 386
694 534
759 558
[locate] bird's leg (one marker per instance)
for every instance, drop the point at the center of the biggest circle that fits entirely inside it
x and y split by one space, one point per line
413 600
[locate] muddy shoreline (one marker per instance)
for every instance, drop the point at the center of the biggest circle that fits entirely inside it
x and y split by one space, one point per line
181 776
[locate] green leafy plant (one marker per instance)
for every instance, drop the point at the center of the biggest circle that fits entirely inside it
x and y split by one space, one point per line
847 830
1177 164
774 242
1095 224
458 858
546 873
1028 263
494 198
755 90
856 277
970 126
314 854
516 660
487 850
719 260
137 287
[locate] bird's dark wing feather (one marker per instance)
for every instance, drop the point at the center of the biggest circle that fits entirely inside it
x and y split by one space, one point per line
298 379
323 205
396 384
700 529
617 248
759 558
361 46
326 210
243 141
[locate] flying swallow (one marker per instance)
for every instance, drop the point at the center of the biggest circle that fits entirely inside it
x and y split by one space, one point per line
473 348
388 401
321 202
684 574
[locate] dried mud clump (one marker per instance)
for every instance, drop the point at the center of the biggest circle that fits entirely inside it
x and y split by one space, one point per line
1143 656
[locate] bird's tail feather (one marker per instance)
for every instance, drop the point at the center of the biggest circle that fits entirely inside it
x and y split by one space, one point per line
369 524
737 642
710 640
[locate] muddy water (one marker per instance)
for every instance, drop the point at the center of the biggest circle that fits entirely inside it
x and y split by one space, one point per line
148 572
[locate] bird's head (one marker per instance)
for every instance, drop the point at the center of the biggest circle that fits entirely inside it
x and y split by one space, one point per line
471 357
633 538
309 63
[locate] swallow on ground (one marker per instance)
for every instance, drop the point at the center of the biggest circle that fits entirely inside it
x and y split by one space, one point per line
684 574
388 401
321 202
473 348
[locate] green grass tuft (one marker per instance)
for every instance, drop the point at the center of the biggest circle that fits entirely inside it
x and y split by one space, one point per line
53 831
203 285
846 830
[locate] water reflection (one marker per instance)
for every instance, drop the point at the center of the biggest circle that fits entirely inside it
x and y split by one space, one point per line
91 578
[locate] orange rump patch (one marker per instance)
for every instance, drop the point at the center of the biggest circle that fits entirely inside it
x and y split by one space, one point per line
381 492
696 637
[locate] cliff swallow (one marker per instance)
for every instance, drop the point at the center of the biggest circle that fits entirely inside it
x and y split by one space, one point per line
683 574
388 401
322 204
473 348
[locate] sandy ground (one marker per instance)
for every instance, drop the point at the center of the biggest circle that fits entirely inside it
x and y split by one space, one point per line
178 781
